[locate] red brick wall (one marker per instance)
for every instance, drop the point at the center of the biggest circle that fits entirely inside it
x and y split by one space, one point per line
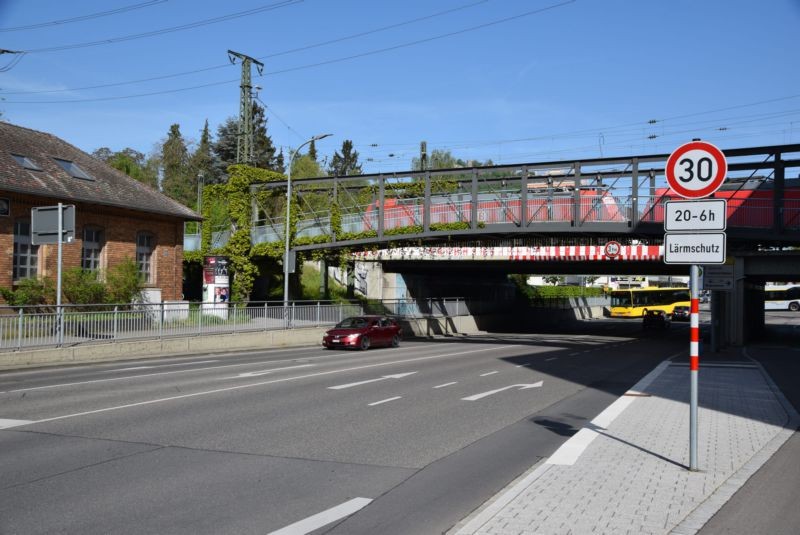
120 227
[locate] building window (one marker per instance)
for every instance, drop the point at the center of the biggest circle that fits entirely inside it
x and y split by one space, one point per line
145 243
26 255
72 169
92 247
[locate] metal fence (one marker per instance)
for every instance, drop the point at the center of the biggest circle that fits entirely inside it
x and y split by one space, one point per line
31 327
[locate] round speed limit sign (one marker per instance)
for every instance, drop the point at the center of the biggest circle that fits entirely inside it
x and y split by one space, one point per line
696 170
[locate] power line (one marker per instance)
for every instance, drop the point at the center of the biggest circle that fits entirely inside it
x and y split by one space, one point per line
191 25
311 65
268 56
84 17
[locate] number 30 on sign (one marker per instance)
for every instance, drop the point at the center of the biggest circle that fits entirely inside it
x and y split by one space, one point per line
696 170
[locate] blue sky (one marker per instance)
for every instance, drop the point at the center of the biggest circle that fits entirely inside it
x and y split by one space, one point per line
506 80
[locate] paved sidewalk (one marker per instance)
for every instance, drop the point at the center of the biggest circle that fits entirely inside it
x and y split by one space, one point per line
627 472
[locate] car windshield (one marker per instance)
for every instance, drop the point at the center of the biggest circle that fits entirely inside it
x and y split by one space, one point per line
352 323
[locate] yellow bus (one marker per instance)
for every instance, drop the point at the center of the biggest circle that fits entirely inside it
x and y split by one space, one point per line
635 302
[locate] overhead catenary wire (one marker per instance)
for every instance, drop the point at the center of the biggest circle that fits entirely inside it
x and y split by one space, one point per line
188 26
81 18
308 66
262 57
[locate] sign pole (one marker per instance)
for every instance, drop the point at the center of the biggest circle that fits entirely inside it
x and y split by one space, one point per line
695 171
58 277
694 364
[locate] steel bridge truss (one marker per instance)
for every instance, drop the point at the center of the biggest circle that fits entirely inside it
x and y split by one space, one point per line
594 197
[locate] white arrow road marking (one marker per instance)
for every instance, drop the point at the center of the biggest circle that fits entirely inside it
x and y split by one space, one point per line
5 424
265 372
476 397
324 518
349 385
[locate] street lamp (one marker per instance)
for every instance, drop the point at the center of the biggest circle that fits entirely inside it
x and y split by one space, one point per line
286 223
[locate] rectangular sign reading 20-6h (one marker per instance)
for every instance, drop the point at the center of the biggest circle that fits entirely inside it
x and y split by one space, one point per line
694 171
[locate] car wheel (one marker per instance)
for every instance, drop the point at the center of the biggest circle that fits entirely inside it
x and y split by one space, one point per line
364 343
794 307
395 341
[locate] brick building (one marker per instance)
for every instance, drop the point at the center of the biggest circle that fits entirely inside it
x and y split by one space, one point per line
115 216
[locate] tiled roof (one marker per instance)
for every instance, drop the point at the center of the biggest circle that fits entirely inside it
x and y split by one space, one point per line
107 185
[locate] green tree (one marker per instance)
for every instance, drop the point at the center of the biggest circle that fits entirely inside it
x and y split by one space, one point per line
202 160
224 149
177 181
265 153
312 150
346 163
131 162
306 167
443 159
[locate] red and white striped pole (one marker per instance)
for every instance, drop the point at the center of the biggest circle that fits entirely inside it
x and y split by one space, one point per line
694 362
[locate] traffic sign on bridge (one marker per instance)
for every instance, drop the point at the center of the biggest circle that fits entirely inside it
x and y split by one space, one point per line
696 170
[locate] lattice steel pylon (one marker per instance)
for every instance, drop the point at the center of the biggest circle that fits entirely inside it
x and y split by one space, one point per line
245 147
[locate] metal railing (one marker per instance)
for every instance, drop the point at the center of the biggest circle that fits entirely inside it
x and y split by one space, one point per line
31 327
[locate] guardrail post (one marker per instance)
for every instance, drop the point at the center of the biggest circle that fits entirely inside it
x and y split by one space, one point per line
60 326
161 320
291 317
266 314
19 331
319 310
116 319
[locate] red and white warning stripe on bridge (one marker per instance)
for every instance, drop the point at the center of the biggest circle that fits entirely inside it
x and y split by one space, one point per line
644 253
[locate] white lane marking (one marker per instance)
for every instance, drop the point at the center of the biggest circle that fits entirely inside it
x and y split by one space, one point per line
239 365
385 401
265 372
6 424
551 358
324 518
78 383
262 383
490 373
446 384
350 385
482 395
573 354
571 450
161 366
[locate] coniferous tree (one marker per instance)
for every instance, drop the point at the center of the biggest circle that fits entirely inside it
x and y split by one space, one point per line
312 150
264 149
224 148
346 163
177 181
202 160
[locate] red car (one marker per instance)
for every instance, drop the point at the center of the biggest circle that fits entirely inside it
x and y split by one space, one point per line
363 332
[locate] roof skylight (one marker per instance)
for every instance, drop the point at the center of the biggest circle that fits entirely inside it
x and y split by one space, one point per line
72 169
26 162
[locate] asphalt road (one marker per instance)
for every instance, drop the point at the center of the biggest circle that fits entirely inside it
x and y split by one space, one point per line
410 440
